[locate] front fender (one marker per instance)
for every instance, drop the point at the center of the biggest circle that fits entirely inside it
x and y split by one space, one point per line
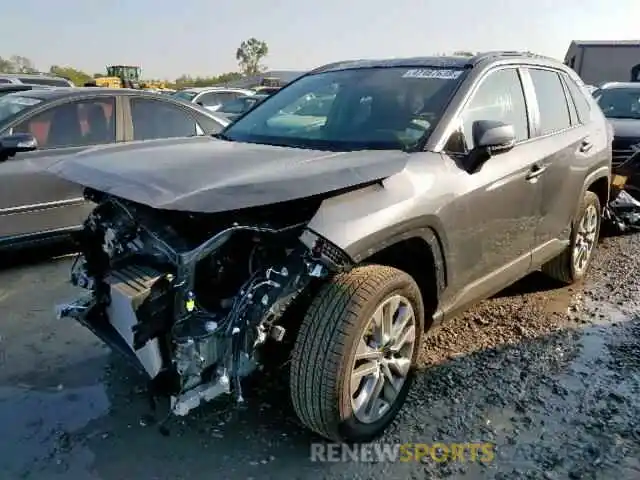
364 222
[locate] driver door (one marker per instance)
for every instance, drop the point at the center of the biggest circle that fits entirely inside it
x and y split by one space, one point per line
492 220
33 201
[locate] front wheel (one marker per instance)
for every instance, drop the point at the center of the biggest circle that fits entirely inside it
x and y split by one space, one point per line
572 265
354 355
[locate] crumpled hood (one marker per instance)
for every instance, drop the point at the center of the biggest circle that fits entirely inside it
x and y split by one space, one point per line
207 175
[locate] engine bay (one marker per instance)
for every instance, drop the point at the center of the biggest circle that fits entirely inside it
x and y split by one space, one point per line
192 298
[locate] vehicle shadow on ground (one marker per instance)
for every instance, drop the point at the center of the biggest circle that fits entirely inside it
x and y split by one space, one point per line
34 256
519 396
481 378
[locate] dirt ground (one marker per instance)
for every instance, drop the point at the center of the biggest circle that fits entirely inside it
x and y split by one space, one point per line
550 376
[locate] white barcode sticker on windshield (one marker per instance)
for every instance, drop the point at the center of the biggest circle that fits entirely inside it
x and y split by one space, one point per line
440 73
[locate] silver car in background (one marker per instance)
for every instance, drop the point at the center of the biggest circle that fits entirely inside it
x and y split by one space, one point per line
211 98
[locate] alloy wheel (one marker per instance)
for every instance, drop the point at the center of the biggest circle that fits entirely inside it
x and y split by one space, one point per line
585 241
383 359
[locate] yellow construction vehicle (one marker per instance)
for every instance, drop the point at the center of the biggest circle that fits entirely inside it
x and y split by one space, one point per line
120 76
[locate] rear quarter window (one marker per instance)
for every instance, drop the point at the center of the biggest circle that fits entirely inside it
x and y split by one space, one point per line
578 95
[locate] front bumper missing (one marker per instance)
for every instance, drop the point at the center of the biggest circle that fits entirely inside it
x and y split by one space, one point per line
86 311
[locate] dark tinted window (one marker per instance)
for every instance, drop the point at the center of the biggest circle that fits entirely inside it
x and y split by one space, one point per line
554 111
213 99
87 122
499 97
184 95
619 102
153 119
210 99
579 100
4 80
238 105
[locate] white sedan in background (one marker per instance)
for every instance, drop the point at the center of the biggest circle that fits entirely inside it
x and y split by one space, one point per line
211 98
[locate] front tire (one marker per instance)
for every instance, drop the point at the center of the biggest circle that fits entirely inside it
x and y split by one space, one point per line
571 265
353 359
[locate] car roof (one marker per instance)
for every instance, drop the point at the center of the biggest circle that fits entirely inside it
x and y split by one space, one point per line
31 75
206 89
71 92
445 61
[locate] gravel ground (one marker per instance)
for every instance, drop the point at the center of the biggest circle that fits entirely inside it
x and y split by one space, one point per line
550 376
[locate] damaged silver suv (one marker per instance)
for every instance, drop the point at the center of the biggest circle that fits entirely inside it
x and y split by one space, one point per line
341 219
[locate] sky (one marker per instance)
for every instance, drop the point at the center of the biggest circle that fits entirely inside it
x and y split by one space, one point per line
200 37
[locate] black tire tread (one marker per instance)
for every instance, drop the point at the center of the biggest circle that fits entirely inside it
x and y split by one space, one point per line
559 268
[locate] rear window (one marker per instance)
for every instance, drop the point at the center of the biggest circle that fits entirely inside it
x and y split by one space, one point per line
183 95
50 82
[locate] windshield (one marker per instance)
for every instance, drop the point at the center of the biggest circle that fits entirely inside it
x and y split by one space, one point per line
367 108
619 102
184 95
11 105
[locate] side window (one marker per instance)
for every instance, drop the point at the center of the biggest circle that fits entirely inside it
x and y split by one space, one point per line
228 96
499 97
238 105
75 124
577 94
4 80
552 103
210 99
154 119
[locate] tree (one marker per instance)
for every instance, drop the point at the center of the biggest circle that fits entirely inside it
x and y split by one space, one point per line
250 54
6 66
78 77
16 64
187 81
22 64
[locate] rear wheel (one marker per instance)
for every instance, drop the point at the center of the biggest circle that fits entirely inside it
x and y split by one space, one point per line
353 358
572 265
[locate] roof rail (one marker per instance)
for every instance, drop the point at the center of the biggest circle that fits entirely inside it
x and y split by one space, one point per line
482 56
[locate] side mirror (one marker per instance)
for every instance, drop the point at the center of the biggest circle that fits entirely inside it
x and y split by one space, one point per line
200 103
17 143
493 135
490 137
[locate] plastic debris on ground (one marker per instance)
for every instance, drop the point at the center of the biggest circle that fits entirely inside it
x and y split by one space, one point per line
623 211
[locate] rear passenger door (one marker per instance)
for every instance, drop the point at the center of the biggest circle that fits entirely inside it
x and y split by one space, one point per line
562 140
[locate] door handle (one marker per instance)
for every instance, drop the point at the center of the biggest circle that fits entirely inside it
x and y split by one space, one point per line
585 146
535 172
